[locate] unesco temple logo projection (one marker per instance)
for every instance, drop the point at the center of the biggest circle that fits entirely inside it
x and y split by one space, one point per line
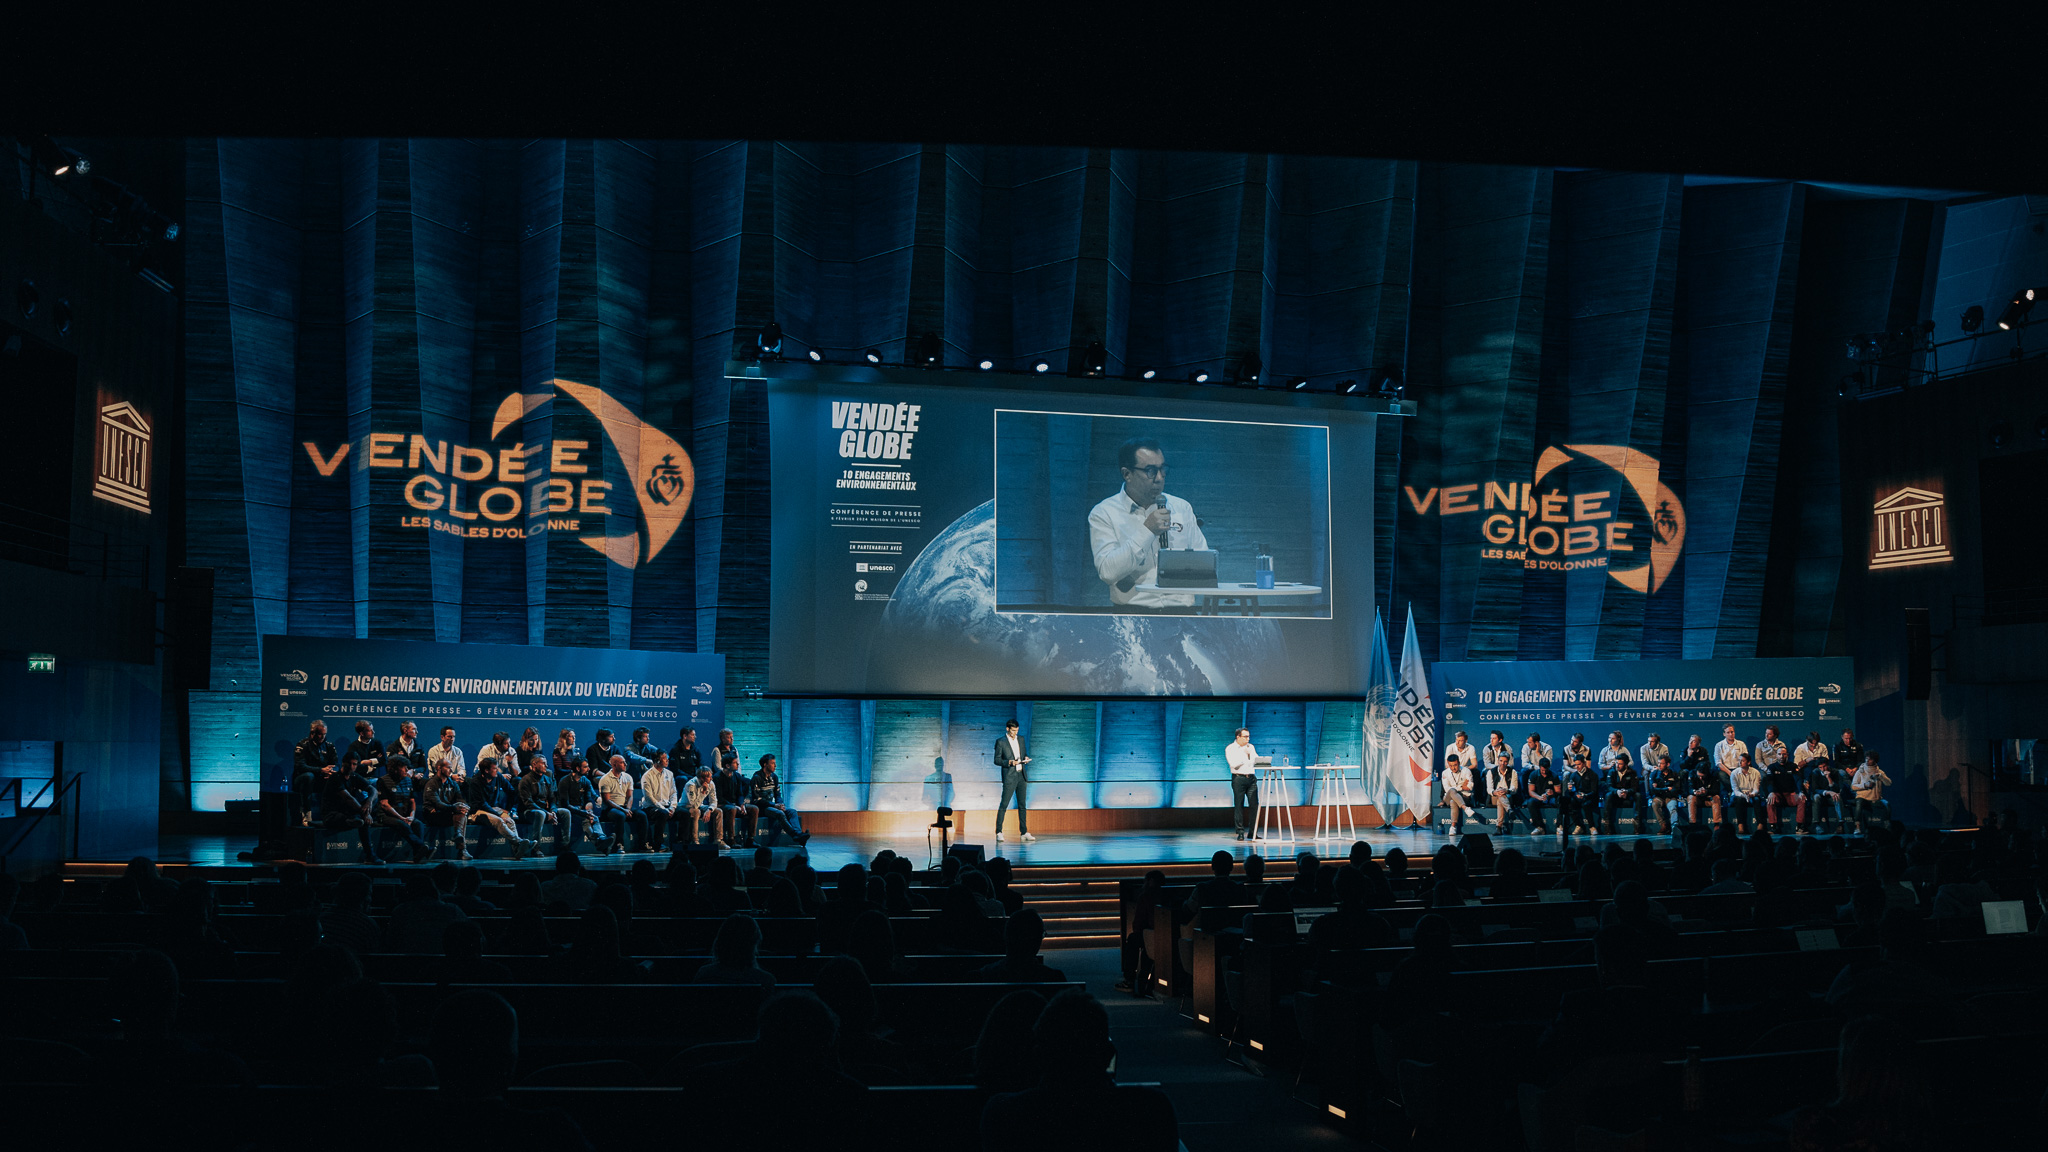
1631 524
513 492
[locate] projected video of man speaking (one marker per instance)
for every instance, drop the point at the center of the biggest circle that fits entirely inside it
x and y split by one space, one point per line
1199 515
931 537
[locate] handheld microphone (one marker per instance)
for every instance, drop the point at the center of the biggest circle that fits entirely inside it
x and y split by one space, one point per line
1160 501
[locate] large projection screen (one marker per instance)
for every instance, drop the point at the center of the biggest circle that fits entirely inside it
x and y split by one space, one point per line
955 538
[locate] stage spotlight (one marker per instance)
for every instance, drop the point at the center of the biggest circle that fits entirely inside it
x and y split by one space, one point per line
987 365
1300 384
1351 387
930 353
1042 366
816 356
1247 371
60 317
1147 373
2001 434
1094 359
874 356
1973 318
1201 377
2016 312
26 297
768 341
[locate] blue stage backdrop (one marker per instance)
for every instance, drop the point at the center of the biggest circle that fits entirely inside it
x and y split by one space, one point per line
940 539
480 689
1674 698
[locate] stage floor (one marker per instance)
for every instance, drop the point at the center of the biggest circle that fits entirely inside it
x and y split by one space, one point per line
1132 848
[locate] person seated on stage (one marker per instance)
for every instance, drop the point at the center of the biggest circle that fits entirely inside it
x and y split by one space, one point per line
700 802
1457 785
1702 785
1076 1092
1496 747
1612 752
500 750
658 789
1503 783
1771 750
446 751
492 803
366 753
1023 935
576 790
408 746
765 793
1581 806
441 803
1533 750
395 808
1218 891
1824 789
1665 790
603 748
1783 786
568 887
733 796
530 742
642 747
625 824
313 765
540 799
1545 791
1577 751
684 757
346 803
566 754
1814 749
1746 793
1868 785
1624 785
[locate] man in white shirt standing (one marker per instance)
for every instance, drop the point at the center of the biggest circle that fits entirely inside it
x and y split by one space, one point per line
1127 530
1244 783
1011 758
447 753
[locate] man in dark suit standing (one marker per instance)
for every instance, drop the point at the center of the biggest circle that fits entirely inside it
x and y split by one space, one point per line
1011 759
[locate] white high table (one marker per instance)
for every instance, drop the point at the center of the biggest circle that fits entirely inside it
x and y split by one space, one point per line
1335 818
1275 820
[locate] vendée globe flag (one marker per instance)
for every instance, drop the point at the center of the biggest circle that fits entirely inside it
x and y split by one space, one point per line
1414 744
1379 716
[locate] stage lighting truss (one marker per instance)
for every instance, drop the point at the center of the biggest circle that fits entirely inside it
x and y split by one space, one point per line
1890 360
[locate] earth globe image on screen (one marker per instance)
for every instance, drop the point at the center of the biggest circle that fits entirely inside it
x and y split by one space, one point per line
941 633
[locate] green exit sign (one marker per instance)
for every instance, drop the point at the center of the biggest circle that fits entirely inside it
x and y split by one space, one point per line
41 662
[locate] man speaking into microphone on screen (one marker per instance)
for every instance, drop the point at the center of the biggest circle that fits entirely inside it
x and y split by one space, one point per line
1128 529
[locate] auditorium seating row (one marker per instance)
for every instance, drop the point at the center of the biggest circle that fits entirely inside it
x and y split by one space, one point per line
402 966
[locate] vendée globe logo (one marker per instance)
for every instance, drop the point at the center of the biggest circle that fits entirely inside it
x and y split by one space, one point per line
1633 526
512 493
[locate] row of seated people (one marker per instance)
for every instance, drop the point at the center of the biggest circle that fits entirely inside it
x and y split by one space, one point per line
626 801
1588 797
1034 1058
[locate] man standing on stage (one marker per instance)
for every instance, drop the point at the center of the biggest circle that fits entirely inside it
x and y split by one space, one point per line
1127 530
1244 783
1011 758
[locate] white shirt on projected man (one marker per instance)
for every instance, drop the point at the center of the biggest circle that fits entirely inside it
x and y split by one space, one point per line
1242 758
1124 548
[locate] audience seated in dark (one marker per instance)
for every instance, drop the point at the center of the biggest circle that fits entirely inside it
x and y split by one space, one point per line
865 1048
463 960
783 900
596 957
1882 1101
348 922
475 1050
962 925
1000 874
1958 894
1254 877
1902 985
795 1043
732 955
1353 924
527 934
568 889
848 900
977 884
1276 899
1310 888
762 874
1218 891
365 1053
467 881
680 896
525 891
1023 934
1727 880
416 923
1076 1097
1003 1057
143 999
12 937
873 943
1608 1020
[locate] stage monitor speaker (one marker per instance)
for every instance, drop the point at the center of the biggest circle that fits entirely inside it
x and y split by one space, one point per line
188 618
970 855
1919 654
1478 849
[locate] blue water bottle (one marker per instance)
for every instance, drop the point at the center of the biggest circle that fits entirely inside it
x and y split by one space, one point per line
1262 567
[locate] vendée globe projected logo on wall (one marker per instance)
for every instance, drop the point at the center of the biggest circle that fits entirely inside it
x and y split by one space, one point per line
506 492
1624 520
